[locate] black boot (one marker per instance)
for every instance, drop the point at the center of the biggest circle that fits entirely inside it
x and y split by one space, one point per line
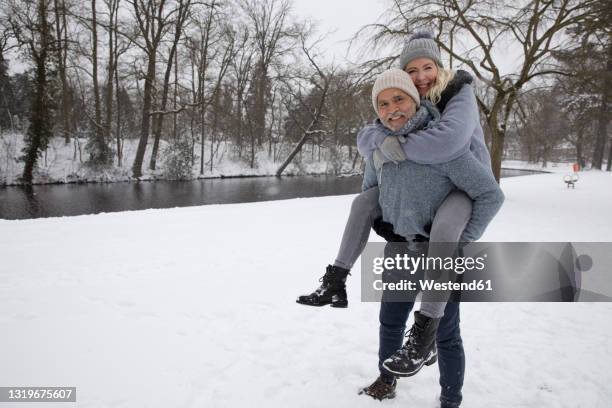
420 348
380 389
332 290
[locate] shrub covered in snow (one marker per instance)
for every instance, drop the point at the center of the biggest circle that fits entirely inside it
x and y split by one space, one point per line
177 160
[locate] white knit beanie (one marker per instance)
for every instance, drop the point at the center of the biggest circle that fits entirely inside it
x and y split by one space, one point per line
394 78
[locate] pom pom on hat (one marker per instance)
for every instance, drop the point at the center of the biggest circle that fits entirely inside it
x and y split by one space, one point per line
420 45
421 34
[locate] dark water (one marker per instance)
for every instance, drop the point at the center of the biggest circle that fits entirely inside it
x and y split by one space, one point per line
77 199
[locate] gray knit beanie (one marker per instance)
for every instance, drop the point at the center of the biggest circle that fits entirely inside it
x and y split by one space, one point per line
394 78
421 44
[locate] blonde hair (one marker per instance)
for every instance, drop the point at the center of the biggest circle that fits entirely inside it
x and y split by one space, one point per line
442 79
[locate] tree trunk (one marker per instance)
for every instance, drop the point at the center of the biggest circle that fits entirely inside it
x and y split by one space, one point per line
309 129
118 121
609 165
60 25
152 26
193 139
175 115
252 151
111 69
498 130
239 121
100 143
39 130
580 148
146 119
118 125
497 149
202 68
604 116
355 160
202 148
295 151
260 104
158 121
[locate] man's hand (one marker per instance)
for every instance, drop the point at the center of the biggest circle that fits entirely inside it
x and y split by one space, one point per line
385 230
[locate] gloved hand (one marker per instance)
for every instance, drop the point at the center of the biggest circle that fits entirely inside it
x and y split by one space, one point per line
379 159
389 151
385 230
392 149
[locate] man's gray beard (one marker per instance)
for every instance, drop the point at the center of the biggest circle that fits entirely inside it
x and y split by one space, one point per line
397 116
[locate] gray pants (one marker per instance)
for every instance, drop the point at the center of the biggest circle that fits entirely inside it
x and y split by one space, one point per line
448 225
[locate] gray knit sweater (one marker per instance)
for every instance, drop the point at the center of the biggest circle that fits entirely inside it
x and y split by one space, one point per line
411 193
449 154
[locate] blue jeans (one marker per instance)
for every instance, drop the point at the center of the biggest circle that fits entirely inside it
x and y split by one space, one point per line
451 358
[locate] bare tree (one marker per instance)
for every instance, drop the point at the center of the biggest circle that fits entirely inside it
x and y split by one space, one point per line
241 68
485 28
100 153
6 45
541 129
596 32
114 51
268 21
200 55
320 80
211 51
61 36
153 19
588 63
183 9
30 25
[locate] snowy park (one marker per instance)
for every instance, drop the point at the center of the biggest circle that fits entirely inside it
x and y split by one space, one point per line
195 307
176 177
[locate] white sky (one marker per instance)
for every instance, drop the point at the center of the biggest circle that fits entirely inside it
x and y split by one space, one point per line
341 18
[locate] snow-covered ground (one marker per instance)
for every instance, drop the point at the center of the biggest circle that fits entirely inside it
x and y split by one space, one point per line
195 307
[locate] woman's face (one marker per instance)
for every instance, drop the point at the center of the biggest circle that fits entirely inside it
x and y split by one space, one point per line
423 72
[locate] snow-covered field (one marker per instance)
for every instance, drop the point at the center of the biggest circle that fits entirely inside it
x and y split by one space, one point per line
194 307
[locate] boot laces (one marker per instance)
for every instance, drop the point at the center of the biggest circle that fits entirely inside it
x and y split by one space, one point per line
330 275
410 348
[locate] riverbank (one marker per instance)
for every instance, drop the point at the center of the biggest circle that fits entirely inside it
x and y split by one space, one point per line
198 304
61 164
65 164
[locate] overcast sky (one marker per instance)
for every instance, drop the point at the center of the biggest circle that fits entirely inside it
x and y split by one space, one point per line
345 17
342 18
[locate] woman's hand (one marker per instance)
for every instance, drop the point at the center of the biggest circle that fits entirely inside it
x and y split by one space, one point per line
392 150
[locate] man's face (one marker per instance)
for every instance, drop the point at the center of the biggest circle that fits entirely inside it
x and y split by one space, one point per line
395 107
